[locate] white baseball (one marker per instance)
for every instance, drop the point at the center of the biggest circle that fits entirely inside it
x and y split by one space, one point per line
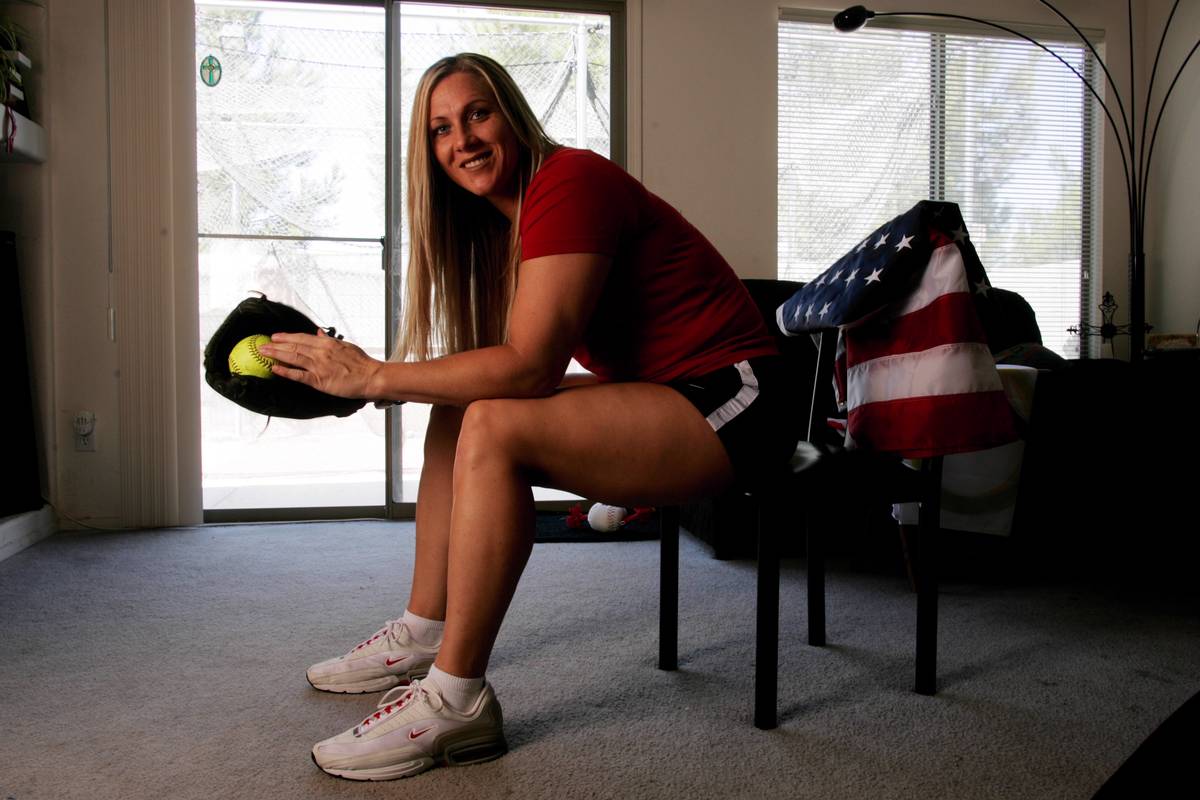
605 518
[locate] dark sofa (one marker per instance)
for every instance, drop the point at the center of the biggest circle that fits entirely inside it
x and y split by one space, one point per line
1107 480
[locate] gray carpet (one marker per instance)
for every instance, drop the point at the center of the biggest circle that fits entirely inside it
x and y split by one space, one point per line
170 664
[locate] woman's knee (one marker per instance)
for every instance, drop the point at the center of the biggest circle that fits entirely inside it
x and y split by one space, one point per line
491 431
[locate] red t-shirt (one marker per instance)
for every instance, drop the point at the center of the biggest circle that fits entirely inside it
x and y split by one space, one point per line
672 307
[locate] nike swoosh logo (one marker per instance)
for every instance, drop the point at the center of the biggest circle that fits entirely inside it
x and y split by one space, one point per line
415 733
391 662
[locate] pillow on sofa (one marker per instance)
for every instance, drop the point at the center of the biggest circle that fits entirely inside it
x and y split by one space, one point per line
1030 355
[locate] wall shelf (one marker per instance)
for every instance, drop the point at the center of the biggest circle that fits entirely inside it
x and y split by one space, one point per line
30 143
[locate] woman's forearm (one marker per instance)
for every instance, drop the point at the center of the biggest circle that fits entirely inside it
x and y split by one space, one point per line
489 372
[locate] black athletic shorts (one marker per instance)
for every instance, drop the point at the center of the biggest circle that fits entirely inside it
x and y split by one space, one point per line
757 409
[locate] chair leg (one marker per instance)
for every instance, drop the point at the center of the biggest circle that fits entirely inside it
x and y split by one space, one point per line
927 582
907 536
766 659
668 610
815 548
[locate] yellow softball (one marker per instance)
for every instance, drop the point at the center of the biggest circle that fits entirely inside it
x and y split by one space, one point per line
245 359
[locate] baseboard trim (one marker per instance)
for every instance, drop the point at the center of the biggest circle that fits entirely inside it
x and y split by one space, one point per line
22 530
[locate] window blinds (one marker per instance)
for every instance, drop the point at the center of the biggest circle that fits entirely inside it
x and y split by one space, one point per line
871 122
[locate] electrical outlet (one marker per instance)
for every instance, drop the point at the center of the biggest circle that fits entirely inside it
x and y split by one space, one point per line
84 426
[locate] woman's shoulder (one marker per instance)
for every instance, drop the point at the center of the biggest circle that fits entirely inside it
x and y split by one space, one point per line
578 190
570 161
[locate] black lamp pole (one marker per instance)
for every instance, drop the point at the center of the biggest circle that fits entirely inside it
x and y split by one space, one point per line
1136 166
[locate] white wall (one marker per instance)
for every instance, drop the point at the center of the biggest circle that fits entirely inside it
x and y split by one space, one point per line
706 126
1173 279
72 290
709 122
85 362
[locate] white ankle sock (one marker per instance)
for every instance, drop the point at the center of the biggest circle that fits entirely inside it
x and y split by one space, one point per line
459 693
427 632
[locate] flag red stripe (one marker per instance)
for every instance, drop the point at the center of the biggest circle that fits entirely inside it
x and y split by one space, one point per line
950 318
921 427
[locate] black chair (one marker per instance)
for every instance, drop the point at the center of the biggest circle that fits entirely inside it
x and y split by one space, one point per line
817 468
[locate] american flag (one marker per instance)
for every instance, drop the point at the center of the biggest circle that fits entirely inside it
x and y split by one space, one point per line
914 372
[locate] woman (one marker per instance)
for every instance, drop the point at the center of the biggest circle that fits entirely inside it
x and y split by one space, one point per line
525 253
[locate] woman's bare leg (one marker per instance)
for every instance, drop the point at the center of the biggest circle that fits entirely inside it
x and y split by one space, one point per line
631 444
428 595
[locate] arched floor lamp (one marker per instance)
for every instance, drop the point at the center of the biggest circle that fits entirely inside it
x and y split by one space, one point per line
1135 154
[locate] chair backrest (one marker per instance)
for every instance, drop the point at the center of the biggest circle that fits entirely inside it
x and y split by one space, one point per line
769 295
1007 320
812 365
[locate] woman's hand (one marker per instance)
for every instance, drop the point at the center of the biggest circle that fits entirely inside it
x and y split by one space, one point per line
327 364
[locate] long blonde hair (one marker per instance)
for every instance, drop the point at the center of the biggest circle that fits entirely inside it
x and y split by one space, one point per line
462 263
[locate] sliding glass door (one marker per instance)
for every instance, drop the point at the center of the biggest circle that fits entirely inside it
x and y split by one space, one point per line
290 140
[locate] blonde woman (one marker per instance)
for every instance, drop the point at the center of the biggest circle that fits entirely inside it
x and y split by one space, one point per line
524 254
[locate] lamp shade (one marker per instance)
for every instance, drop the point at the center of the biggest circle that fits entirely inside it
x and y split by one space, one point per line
852 18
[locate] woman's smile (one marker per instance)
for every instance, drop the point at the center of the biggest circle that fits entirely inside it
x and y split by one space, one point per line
478 161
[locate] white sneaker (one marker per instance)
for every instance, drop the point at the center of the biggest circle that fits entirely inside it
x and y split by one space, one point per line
412 731
389 658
